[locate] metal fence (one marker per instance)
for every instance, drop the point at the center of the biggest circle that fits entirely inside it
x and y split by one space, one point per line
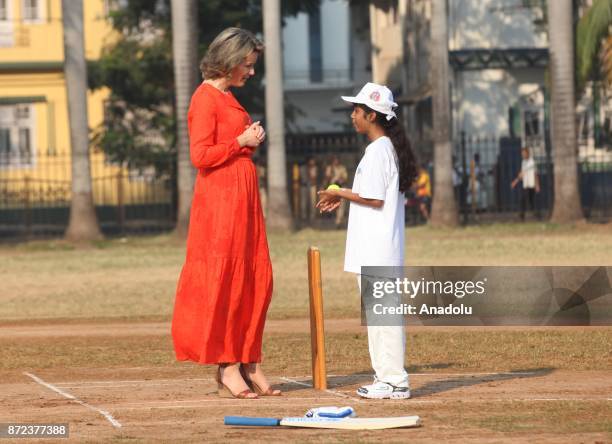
315 161
35 191
485 166
35 195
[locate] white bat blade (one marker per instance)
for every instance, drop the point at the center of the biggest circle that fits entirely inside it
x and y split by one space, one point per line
353 423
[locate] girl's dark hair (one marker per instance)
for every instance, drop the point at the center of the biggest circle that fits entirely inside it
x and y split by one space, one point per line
407 162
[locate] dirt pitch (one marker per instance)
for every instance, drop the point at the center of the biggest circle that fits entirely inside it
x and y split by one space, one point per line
89 325
163 401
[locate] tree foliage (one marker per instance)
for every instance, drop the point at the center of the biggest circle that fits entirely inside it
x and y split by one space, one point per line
593 44
139 126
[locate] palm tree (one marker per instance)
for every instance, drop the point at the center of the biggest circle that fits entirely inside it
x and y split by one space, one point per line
594 42
83 224
185 53
566 206
444 207
279 214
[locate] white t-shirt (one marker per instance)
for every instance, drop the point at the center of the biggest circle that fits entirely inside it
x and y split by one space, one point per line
528 168
375 236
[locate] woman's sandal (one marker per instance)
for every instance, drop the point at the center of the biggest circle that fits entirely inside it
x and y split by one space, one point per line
225 392
257 389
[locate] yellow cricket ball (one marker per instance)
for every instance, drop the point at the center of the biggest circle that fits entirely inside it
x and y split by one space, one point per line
333 186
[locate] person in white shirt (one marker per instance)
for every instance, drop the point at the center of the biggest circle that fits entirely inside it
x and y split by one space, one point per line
375 233
531 182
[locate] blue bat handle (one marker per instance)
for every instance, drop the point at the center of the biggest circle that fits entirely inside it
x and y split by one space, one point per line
250 421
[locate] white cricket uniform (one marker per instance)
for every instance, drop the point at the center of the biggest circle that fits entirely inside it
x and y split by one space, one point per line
375 237
528 168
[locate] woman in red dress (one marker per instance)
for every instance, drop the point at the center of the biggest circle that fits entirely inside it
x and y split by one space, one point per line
225 286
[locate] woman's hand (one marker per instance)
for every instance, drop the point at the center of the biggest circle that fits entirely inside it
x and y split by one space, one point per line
261 133
252 136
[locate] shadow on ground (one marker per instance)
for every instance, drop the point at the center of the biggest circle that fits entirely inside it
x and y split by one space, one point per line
429 388
444 385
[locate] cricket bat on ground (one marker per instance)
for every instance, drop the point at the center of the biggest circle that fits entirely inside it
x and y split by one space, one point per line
327 423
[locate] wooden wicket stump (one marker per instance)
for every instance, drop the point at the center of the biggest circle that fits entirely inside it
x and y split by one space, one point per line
317 334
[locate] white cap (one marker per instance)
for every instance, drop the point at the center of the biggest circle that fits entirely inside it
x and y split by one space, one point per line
377 97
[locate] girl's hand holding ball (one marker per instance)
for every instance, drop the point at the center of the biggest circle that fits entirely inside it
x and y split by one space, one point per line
329 198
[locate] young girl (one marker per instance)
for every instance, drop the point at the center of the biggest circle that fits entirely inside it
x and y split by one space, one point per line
375 233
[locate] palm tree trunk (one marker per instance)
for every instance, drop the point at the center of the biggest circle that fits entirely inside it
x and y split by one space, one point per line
83 224
185 54
279 214
566 206
444 206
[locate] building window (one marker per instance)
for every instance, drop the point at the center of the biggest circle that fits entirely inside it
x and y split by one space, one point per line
532 123
32 10
22 112
5 142
7 37
25 147
3 10
16 136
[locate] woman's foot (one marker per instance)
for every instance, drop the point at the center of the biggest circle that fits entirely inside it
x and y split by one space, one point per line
230 381
253 374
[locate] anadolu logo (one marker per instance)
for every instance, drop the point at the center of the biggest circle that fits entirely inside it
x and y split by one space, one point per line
375 96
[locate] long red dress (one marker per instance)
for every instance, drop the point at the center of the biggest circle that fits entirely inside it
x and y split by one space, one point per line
225 286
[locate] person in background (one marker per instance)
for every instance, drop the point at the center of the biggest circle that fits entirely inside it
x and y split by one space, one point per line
335 173
423 192
528 175
260 164
312 178
458 183
477 196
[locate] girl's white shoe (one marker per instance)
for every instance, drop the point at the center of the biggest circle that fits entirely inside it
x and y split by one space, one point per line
382 390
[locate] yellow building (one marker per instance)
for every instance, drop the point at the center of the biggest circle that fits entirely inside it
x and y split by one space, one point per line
34 128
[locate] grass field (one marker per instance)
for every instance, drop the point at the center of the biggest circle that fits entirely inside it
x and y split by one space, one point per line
135 278
93 322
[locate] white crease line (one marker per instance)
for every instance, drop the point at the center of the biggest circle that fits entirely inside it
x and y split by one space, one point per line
239 404
85 387
565 399
306 401
296 382
485 400
333 392
71 384
73 398
279 399
169 382
434 374
142 384
371 375
476 374
131 380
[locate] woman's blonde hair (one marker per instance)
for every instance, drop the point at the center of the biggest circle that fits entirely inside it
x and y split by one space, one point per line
228 50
